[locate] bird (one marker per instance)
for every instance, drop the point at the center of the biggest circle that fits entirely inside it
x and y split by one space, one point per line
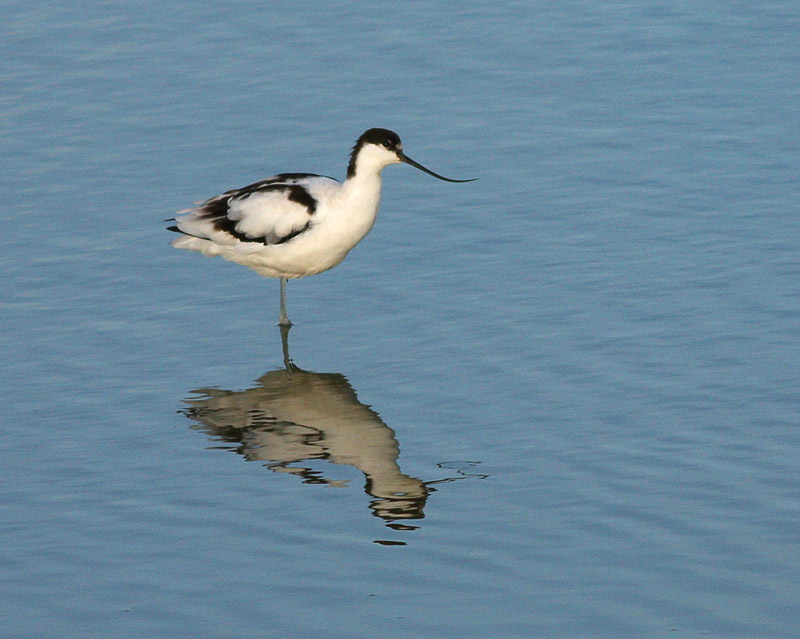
293 225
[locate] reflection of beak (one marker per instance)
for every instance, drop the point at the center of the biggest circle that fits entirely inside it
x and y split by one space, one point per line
404 158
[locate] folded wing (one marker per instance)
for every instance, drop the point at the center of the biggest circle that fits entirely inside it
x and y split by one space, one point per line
268 212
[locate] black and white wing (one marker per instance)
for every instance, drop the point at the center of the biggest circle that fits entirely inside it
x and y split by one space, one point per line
267 212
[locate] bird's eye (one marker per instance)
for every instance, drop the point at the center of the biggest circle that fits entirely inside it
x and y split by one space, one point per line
387 144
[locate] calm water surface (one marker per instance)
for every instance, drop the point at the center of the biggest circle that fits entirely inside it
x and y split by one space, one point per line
557 402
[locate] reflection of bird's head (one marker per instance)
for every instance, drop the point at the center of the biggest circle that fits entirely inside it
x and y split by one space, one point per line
402 498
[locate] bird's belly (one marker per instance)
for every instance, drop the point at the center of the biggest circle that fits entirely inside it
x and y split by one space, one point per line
311 252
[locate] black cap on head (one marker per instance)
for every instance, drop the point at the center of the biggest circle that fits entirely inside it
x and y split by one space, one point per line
382 137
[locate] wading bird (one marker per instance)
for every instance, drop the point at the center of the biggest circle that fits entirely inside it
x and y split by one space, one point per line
296 224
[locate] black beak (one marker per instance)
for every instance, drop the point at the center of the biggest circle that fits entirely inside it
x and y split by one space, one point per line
404 158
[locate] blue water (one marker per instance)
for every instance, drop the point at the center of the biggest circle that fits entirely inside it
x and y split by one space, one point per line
557 402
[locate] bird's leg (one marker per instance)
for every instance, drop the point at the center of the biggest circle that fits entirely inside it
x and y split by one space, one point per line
283 320
287 360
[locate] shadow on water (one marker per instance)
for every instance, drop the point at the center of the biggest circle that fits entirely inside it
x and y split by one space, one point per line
293 416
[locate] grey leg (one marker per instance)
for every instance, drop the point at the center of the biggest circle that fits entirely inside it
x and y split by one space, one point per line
287 360
283 320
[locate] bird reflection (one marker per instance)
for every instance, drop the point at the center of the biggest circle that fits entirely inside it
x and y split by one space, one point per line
293 416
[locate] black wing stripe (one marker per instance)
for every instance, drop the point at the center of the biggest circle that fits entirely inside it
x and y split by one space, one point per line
280 180
293 234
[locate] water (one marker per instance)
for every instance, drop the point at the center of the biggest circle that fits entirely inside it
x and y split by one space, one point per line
581 371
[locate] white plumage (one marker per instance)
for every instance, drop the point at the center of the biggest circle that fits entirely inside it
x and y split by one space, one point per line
295 224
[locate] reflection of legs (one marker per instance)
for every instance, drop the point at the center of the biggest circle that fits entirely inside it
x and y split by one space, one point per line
283 320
